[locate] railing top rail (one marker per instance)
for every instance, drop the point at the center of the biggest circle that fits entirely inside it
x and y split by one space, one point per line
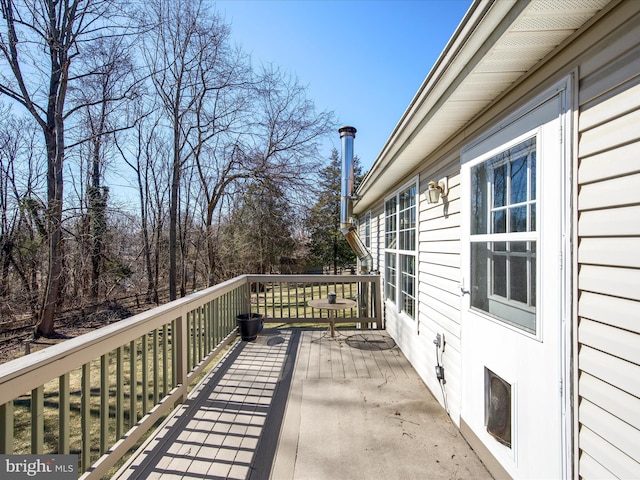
311 278
28 372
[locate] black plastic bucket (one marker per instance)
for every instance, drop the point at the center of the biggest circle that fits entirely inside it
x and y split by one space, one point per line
250 325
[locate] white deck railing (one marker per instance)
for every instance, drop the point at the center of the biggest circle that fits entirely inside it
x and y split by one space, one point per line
98 394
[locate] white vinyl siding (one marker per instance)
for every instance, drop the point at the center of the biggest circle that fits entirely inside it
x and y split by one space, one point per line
609 257
439 287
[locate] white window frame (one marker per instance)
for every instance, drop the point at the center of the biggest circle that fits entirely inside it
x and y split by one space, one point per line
401 284
502 307
367 229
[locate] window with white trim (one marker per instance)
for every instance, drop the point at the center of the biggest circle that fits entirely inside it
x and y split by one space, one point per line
367 230
504 236
400 216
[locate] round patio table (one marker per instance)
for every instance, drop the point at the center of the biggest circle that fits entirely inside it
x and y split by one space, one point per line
341 304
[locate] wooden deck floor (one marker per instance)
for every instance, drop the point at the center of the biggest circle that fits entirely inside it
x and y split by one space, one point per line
248 419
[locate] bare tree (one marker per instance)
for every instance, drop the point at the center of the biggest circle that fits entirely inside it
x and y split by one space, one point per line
21 226
209 126
102 97
278 144
190 67
41 48
143 151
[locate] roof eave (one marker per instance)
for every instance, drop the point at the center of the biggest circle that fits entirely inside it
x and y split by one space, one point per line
447 99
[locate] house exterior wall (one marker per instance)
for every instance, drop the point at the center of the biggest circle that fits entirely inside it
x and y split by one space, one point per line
439 284
604 63
608 254
438 278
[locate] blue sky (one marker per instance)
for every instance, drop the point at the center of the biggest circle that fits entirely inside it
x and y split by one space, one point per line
362 59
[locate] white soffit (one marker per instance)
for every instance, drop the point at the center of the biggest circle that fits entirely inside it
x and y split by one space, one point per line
465 80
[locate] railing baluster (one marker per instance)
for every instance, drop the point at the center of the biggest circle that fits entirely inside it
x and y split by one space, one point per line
194 338
237 303
207 326
273 300
227 309
6 428
188 333
200 335
258 306
227 306
181 343
222 319
104 403
247 299
240 304
212 326
165 360
37 420
145 374
85 417
156 366
296 289
64 409
216 320
174 357
231 306
133 382
225 312
214 323
217 327
304 300
234 301
120 393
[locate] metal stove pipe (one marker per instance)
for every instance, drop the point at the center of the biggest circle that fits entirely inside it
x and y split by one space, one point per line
347 135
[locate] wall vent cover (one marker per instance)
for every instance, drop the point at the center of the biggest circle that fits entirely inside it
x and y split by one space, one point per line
497 408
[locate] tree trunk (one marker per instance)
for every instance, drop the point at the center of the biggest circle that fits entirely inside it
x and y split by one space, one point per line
145 241
98 226
211 246
4 281
45 325
173 218
335 255
97 205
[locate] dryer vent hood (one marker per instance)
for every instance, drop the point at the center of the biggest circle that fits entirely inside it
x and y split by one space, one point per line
347 135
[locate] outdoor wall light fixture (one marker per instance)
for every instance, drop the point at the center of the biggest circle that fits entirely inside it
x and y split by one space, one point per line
437 190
